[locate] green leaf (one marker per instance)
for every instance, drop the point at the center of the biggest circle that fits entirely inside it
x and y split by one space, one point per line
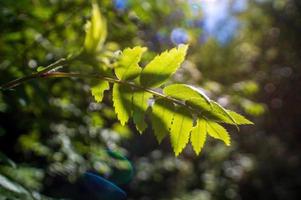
140 104
189 94
218 113
198 135
161 118
162 67
218 132
196 98
239 119
222 113
180 129
96 31
98 90
122 102
127 67
41 68
11 186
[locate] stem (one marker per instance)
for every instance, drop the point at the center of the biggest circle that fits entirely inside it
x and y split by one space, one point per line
46 73
111 80
131 84
46 70
49 72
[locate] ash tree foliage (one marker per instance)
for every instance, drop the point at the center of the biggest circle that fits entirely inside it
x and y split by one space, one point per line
179 111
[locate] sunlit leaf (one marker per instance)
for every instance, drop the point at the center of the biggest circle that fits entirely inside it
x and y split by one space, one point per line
180 129
189 94
96 31
161 117
239 119
218 132
127 66
198 135
98 90
222 113
163 66
122 101
219 114
140 104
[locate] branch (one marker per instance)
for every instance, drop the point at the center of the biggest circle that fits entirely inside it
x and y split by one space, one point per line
131 84
111 80
49 72
46 70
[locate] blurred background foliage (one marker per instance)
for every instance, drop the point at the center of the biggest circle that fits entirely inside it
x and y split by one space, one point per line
244 53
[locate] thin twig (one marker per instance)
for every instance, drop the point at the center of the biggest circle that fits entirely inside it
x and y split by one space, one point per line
49 73
52 66
111 80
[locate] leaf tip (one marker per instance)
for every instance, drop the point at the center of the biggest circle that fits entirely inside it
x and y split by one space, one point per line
183 47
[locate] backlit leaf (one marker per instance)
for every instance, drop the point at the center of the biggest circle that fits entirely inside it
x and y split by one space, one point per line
122 101
127 66
162 67
222 113
218 132
98 90
161 117
96 31
180 129
189 94
239 119
218 113
140 104
198 135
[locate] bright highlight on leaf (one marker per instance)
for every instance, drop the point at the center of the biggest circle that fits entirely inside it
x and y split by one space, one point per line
122 101
163 66
127 67
198 135
162 117
180 129
189 94
140 104
222 114
239 119
96 31
182 112
218 132
98 90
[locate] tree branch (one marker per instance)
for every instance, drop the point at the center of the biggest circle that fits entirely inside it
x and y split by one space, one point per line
49 72
49 68
111 80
